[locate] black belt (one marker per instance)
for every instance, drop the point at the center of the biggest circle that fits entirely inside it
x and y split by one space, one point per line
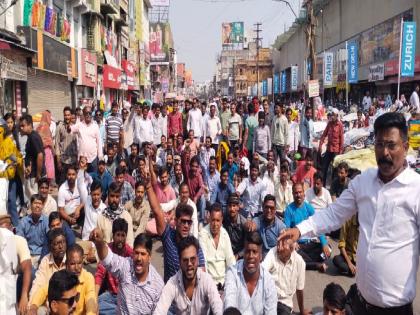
404 309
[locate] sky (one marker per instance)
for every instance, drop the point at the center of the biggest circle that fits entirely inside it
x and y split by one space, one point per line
196 26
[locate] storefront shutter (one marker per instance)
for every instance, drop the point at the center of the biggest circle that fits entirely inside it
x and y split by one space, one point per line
48 91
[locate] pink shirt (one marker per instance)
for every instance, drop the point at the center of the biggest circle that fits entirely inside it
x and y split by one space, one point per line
164 195
88 140
174 123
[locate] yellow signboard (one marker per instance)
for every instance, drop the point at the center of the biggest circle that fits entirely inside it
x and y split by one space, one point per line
414 133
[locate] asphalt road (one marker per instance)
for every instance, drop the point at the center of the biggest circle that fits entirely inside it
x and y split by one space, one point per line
315 281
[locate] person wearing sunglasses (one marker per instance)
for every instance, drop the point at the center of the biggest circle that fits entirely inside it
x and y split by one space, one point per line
85 298
62 293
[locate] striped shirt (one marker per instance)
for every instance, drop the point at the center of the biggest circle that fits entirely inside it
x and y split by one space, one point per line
113 126
133 296
170 253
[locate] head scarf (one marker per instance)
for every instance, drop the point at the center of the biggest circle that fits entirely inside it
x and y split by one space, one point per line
113 214
219 158
44 129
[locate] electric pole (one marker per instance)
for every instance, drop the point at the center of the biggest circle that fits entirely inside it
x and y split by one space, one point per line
258 39
310 39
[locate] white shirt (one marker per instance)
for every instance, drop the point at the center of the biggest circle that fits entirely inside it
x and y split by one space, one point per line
194 122
268 181
91 218
67 199
143 130
213 129
318 202
8 272
414 100
388 248
288 277
158 127
220 258
284 195
293 136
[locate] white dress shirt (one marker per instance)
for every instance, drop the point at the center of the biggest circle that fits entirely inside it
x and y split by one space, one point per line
318 202
288 277
388 248
194 122
213 129
91 218
143 130
158 128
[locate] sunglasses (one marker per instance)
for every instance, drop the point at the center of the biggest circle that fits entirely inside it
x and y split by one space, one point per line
71 300
87 113
186 222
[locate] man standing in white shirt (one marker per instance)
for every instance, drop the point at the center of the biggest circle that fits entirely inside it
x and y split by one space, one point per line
213 127
318 196
157 124
414 99
389 202
93 208
143 129
287 268
367 101
194 121
216 246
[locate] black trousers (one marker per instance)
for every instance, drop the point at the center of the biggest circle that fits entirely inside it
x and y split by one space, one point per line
342 266
326 161
279 152
311 254
360 307
283 309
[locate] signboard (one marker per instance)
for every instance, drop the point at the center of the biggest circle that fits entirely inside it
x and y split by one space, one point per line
328 68
408 50
69 71
276 84
294 78
13 66
232 33
283 82
391 66
414 133
111 77
128 68
270 86
160 3
313 88
376 72
352 62
88 68
264 88
160 42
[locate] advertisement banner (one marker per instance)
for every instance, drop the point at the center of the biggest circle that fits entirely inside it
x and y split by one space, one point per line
88 68
111 77
294 78
264 88
283 82
160 42
128 68
328 68
276 83
313 88
376 72
270 86
408 50
414 134
352 62
232 33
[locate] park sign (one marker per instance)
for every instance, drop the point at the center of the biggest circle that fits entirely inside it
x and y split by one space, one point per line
408 49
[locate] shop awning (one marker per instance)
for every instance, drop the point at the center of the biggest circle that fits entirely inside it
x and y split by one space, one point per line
8 45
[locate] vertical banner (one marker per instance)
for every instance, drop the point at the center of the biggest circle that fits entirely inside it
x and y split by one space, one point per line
264 88
352 62
328 68
294 78
283 82
408 51
270 86
276 83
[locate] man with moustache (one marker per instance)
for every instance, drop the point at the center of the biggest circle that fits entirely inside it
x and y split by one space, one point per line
140 285
68 200
248 285
62 293
139 209
388 198
190 290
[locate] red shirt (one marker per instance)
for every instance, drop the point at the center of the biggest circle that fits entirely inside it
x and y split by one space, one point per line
174 123
102 274
304 176
335 134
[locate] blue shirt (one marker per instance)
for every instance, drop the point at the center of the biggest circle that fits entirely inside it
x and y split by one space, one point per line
231 169
212 181
221 195
34 233
263 299
171 256
269 234
70 239
293 216
105 179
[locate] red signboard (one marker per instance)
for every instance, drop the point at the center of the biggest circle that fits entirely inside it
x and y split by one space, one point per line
88 67
111 77
391 66
128 68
